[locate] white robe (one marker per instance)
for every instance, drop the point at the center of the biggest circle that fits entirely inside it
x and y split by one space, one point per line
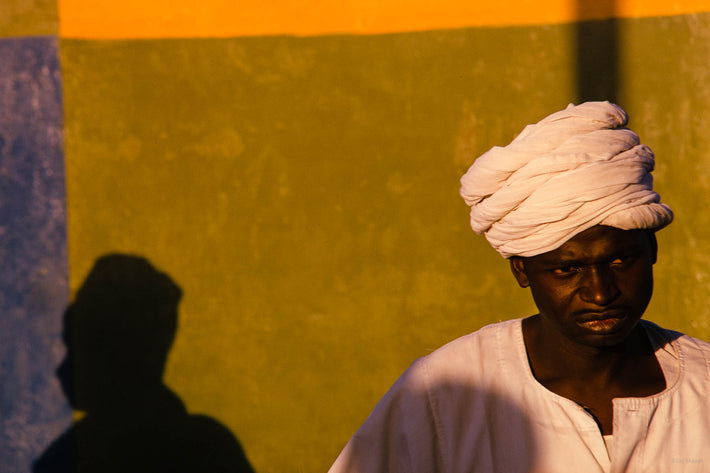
474 406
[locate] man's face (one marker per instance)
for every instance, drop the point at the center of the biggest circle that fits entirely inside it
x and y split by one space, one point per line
595 287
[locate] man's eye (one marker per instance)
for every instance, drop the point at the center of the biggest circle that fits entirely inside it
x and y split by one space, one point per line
565 270
622 262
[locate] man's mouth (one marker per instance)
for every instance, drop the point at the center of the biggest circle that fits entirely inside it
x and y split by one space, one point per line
602 325
602 322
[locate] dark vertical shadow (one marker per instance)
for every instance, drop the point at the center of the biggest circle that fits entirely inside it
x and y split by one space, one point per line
118 332
597 52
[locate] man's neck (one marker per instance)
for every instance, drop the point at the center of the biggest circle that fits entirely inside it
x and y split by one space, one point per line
552 355
592 376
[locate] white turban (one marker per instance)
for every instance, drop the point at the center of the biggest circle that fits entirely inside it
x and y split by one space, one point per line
573 170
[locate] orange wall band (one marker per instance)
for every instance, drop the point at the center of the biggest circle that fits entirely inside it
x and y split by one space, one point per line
108 19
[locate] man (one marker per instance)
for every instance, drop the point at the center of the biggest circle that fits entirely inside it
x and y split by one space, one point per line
584 385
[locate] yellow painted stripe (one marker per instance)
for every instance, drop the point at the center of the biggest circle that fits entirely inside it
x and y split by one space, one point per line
109 19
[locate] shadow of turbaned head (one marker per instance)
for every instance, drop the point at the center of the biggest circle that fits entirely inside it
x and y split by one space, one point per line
118 332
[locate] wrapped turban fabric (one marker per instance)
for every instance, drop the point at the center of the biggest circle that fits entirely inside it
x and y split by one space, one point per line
575 169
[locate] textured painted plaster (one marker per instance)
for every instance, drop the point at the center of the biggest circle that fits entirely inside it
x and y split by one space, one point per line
33 281
666 72
303 193
28 18
108 19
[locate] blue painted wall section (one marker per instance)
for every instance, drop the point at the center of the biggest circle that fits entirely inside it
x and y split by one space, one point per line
33 280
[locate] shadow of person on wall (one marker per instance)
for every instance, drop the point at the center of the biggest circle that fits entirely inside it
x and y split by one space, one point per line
118 332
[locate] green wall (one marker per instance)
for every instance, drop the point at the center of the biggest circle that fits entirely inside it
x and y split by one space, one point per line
28 17
303 192
665 89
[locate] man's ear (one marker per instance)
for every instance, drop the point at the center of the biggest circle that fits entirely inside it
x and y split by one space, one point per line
517 266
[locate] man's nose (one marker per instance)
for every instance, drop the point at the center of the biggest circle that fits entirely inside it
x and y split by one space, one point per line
599 285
